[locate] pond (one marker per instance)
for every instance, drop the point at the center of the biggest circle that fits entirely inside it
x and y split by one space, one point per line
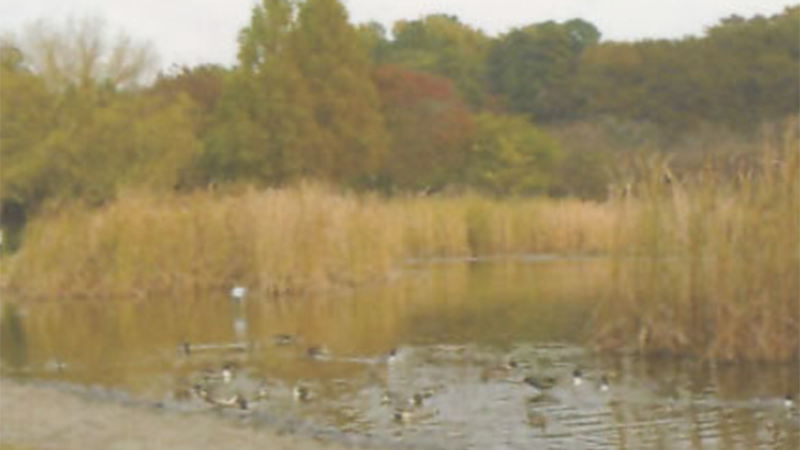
458 337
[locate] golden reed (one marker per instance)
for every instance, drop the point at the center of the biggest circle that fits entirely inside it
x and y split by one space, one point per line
299 239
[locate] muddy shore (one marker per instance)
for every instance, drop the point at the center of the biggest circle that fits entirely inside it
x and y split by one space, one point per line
38 417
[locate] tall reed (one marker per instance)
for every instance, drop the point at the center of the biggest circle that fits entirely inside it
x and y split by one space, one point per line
299 239
709 267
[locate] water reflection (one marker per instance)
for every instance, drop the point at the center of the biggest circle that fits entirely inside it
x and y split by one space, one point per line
450 324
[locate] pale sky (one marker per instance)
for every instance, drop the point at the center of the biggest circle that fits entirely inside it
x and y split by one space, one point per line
203 31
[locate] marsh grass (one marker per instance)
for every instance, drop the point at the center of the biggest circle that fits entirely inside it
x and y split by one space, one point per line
709 266
300 239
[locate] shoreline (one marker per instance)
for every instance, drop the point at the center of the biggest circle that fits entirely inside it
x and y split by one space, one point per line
37 417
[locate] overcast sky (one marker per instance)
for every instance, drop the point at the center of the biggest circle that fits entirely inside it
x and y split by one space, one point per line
201 31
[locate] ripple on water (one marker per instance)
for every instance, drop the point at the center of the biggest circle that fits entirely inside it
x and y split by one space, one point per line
448 335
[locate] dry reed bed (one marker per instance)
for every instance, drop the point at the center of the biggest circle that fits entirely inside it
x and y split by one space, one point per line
715 271
299 239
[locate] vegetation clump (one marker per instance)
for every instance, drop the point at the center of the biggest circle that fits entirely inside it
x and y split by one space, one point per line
709 267
292 240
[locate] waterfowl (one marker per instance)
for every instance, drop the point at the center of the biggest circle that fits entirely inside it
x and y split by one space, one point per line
238 293
538 420
226 374
413 414
392 356
301 393
283 339
541 384
430 391
577 377
788 402
184 348
604 386
498 371
387 398
417 399
233 401
317 352
55 365
262 393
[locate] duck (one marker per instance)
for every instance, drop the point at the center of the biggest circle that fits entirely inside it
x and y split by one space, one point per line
788 402
284 339
262 393
233 401
389 398
417 399
317 352
301 393
604 385
413 414
499 371
538 420
226 374
392 356
541 384
55 365
185 348
577 377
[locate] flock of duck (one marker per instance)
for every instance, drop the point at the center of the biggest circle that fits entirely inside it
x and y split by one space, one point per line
216 387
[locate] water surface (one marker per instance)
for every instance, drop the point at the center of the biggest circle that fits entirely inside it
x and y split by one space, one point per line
451 322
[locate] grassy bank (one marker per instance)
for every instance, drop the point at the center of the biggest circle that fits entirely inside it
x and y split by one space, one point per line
299 239
710 267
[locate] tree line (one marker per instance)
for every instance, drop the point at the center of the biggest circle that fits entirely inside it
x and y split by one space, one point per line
434 104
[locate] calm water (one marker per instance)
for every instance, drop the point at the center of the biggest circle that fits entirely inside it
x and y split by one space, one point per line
451 323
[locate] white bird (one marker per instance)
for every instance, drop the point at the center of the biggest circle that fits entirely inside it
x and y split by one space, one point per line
238 293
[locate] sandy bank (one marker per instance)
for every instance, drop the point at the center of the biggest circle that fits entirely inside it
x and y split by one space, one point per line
41 418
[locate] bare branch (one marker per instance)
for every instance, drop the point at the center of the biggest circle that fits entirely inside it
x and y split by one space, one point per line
80 52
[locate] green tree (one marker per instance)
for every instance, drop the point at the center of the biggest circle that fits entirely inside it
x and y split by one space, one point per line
345 102
266 130
511 156
11 57
442 45
202 84
373 39
534 68
27 113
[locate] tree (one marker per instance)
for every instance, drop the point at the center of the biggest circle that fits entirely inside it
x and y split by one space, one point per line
429 128
345 103
266 130
583 33
27 115
534 68
442 45
373 39
11 57
511 156
134 142
202 84
80 53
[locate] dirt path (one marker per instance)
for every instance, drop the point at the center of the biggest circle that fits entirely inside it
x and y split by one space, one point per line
42 418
